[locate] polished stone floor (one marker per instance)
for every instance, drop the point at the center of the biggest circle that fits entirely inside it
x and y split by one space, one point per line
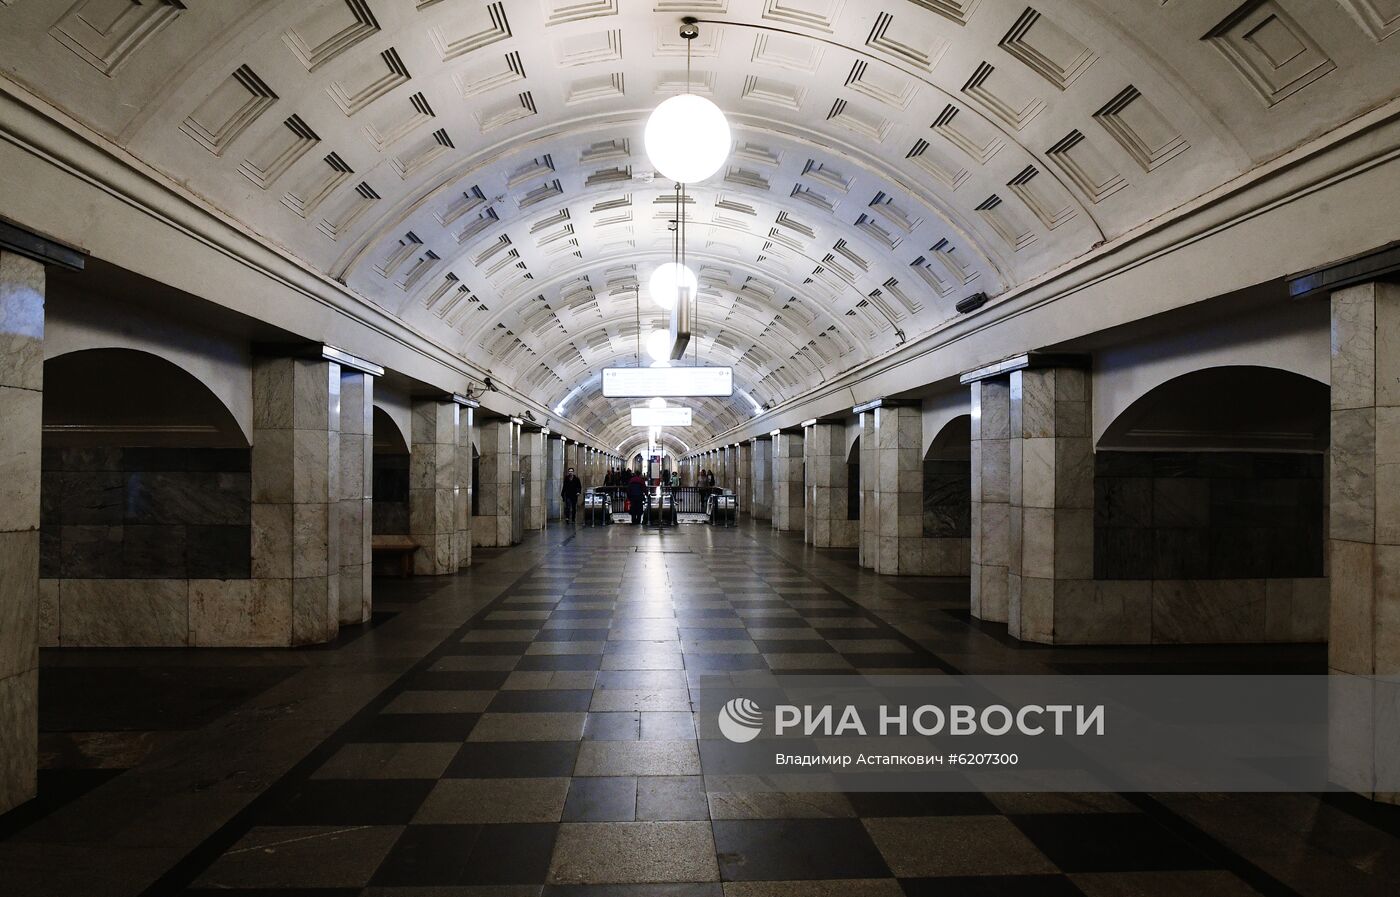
525 729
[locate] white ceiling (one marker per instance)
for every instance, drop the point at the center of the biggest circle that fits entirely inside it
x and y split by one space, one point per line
477 168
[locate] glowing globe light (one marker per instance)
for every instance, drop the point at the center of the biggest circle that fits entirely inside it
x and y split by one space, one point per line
666 283
687 138
659 345
657 402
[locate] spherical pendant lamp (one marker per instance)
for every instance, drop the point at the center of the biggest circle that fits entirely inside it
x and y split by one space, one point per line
659 345
687 138
666 282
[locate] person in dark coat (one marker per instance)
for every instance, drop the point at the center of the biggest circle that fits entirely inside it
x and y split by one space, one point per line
573 486
636 497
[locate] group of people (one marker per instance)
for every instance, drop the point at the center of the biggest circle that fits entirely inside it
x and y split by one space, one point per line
636 484
636 492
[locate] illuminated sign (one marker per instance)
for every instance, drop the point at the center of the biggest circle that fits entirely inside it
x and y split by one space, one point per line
661 417
643 383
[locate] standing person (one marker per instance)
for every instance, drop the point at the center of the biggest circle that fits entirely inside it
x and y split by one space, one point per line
675 479
711 482
636 497
570 493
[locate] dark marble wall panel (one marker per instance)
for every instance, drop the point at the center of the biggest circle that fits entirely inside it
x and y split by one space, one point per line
1207 515
390 506
146 513
947 498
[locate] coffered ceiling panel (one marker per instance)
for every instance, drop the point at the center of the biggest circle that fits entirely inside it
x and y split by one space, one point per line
477 169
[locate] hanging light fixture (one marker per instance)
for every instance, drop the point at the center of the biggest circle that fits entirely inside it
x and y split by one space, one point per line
659 345
687 137
667 281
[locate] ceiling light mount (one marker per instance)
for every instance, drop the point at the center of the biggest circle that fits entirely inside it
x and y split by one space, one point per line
690 28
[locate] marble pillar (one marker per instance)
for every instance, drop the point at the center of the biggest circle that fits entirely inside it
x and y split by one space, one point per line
356 501
762 498
554 476
432 485
899 489
500 473
788 483
744 485
827 497
991 497
1364 536
296 497
869 544
22 285
1051 492
532 445
462 493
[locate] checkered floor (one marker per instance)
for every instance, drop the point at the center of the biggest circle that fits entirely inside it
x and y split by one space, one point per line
548 747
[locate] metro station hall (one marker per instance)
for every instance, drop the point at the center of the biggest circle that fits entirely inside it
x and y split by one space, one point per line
700 448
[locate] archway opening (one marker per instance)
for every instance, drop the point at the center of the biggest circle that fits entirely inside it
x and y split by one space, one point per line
390 477
146 475
1216 474
948 482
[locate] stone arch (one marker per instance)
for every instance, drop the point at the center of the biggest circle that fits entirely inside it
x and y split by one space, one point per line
391 459
1215 474
1247 407
145 502
947 497
133 397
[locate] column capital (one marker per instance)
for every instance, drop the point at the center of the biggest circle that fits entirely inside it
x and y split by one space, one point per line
1381 263
881 403
1023 362
43 249
313 351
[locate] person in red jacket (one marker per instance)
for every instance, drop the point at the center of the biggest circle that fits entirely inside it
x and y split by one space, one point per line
636 497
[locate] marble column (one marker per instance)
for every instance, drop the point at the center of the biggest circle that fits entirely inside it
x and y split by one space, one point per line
22 285
532 468
991 497
761 498
827 496
1364 536
296 468
462 494
899 489
500 472
432 485
788 513
869 545
744 483
1051 570
356 486
484 527
554 476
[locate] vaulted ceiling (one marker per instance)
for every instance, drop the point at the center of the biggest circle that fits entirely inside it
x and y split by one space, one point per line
477 169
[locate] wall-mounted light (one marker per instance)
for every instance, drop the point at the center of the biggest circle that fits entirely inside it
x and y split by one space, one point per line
971 303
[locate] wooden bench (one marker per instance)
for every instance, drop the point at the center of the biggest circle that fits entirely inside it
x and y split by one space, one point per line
401 547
